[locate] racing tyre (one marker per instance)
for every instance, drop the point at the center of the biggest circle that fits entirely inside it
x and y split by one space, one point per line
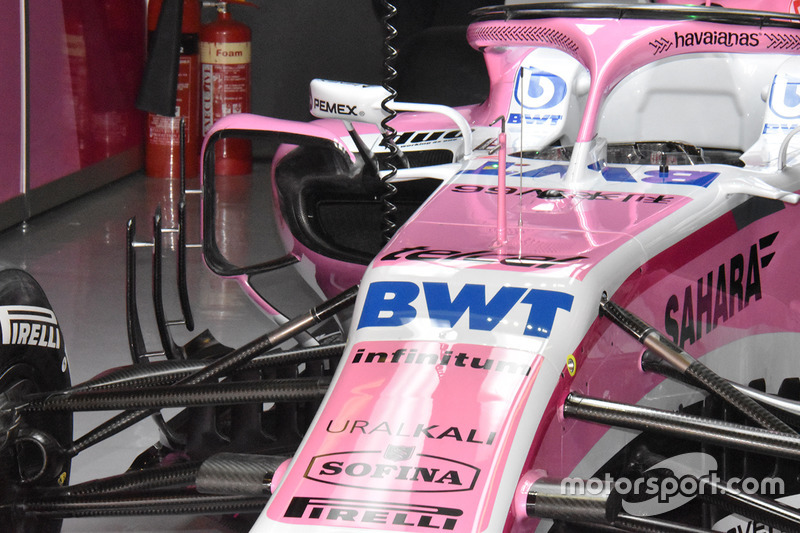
32 359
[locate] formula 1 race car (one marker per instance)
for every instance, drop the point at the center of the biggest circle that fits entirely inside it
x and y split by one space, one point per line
574 306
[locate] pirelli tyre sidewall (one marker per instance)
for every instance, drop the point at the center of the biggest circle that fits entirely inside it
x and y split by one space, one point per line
32 359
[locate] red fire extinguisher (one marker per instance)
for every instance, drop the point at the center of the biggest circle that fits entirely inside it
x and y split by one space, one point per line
225 81
162 144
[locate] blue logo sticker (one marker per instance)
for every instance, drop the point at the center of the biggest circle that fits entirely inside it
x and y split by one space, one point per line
542 90
784 97
681 177
393 304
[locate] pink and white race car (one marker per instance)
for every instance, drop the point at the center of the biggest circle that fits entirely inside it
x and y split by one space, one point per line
575 305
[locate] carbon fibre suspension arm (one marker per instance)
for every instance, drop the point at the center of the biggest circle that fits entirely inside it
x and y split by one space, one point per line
694 370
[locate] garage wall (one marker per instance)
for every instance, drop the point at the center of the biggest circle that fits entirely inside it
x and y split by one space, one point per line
69 75
298 40
84 61
10 110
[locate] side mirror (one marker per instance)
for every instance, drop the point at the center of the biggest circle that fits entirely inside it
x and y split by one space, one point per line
274 132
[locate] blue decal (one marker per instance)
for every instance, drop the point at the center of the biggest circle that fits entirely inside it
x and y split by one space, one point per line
612 174
784 97
544 89
619 174
782 128
681 177
490 168
388 304
483 316
516 118
544 305
546 171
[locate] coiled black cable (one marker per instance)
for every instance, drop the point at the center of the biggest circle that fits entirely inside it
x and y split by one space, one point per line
389 210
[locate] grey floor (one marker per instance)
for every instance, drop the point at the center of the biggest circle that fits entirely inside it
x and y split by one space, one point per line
77 253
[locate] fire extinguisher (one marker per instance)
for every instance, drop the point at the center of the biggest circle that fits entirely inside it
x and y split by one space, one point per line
225 50
162 144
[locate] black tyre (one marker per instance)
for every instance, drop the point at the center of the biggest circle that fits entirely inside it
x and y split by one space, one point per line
32 359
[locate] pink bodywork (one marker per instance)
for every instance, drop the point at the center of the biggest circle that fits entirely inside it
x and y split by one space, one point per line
419 430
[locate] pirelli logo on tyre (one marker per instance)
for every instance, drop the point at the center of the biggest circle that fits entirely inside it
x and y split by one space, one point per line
29 325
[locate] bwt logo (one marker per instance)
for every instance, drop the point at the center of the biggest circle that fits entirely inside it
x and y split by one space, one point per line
395 303
784 98
542 91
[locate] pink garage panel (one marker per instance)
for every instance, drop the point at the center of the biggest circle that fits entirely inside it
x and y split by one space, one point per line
85 61
10 111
